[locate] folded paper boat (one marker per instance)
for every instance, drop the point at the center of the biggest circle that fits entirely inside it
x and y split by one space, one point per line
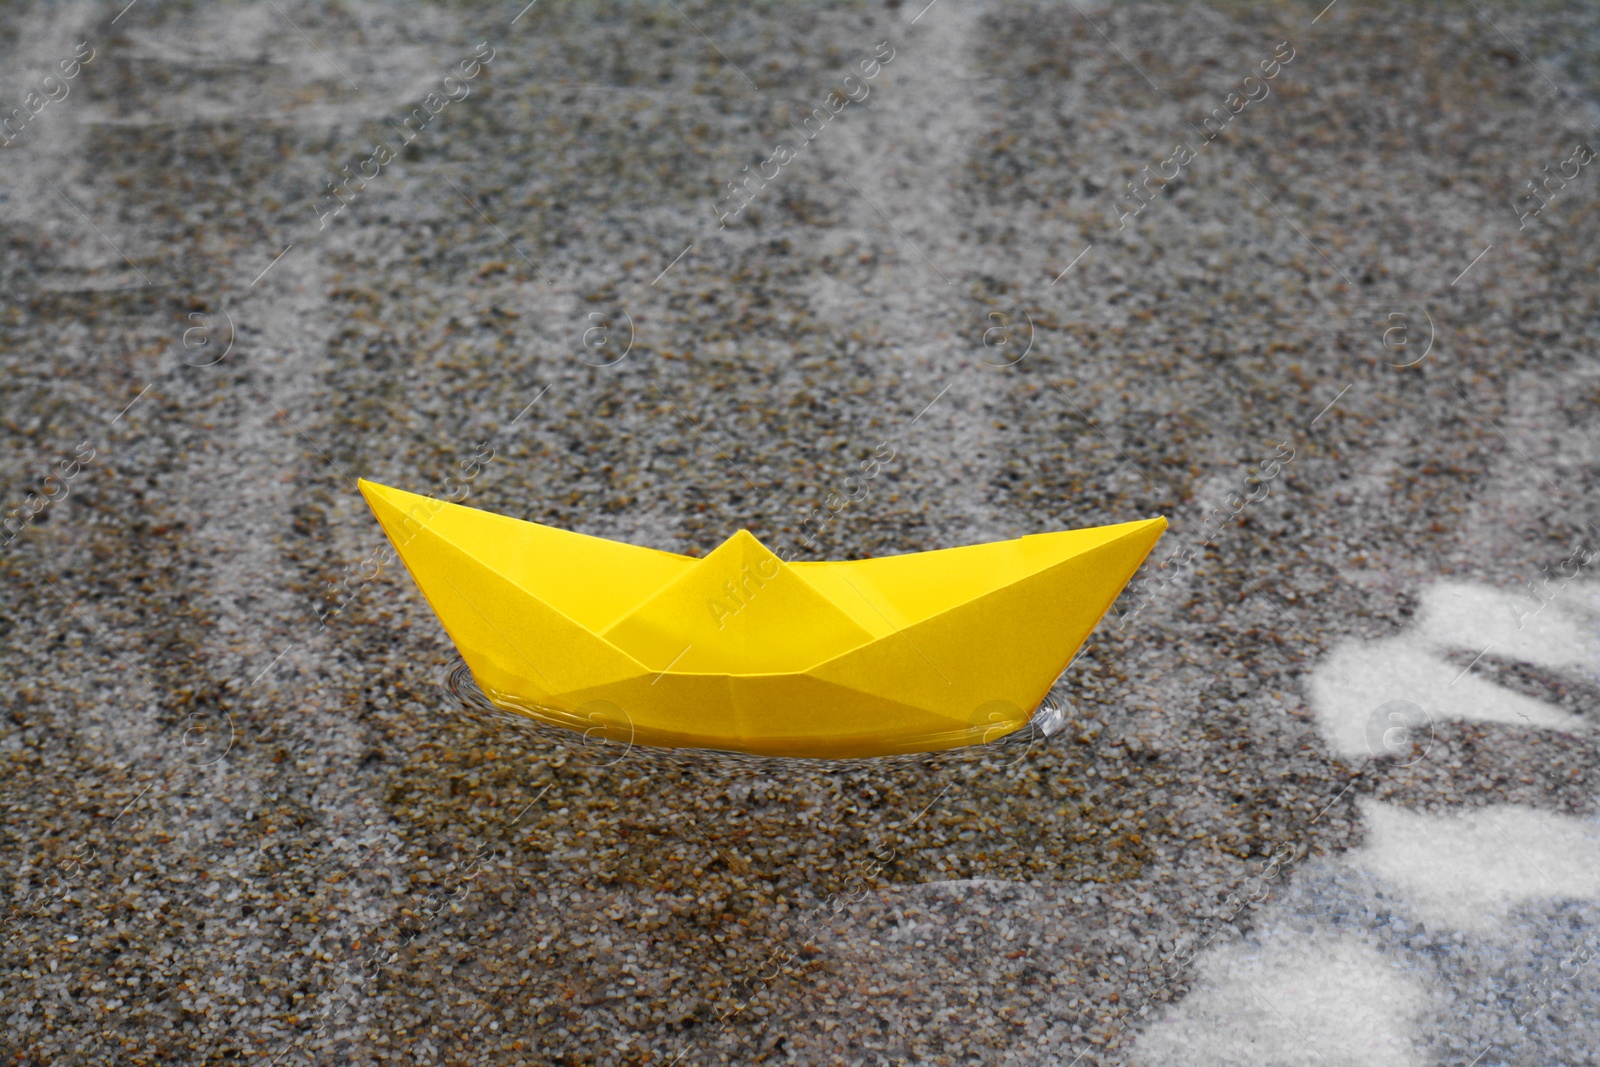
742 651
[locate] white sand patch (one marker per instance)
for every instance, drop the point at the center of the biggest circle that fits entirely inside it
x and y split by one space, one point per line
1291 997
1358 678
905 157
1468 871
1512 625
1318 1001
962 885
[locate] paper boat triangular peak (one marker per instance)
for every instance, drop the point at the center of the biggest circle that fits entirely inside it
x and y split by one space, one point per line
742 651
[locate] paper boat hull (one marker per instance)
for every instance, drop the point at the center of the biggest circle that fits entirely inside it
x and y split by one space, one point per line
920 663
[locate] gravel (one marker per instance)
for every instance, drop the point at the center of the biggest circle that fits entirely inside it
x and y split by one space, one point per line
234 831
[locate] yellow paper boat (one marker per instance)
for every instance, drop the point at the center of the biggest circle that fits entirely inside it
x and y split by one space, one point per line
744 652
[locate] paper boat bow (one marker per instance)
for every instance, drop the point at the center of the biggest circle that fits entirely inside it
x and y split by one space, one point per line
742 651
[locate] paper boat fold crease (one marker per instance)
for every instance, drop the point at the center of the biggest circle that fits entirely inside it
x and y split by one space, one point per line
742 651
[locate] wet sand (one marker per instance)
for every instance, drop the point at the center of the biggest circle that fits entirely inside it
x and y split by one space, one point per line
245 817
